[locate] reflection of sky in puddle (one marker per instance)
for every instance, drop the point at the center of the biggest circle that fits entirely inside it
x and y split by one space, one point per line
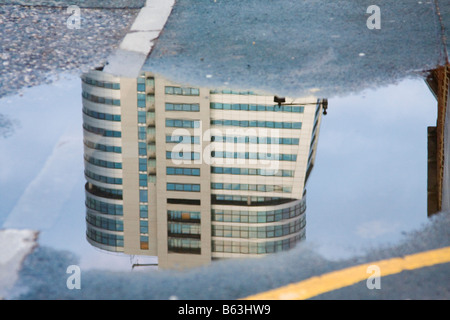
367 187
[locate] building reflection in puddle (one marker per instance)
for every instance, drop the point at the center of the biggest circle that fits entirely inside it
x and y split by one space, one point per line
194 174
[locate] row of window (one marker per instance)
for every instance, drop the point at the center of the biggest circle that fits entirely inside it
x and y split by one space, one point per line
101 84
183 171
182 155
265 232
106 192
234 139
183 139
255 247
195 107
102 100
184 245
183 228
189 187
103 163
104 207
102 147
226 91
101 115
183 215
244 216
102 132
227 197
142 162
251 172
250 187
256 107
257 123
256 140
217 214
176 123
101 178
182 91
104 223
254 155
105 238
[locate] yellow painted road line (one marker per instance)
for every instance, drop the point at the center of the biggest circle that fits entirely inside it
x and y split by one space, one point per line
343 278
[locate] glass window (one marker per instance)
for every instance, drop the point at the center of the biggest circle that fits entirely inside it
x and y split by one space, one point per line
142 117
142 134
141 87
169 90
142 148
143 180
141 103
143 211
143 226
143 196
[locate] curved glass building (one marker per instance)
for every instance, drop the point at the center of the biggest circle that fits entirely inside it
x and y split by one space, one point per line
102 127
193 174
